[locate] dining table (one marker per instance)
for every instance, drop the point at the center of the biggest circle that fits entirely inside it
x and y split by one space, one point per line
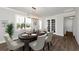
28 37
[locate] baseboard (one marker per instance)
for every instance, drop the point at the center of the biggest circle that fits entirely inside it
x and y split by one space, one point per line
59 35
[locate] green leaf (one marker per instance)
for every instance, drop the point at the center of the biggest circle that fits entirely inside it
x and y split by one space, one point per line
9 29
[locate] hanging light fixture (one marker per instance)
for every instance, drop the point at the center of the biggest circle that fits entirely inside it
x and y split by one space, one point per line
34 8
34 15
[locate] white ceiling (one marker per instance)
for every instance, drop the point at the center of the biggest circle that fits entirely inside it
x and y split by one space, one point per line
42 11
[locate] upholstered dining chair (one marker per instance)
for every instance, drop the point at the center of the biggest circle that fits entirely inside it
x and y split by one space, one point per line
38 44
49 39
12 45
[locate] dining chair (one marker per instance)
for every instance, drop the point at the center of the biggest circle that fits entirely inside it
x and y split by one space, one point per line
12 45
15 36
38 44
49 39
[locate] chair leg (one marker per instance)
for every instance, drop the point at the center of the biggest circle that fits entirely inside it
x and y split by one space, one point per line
11 50
30 49
43 48
50 43
23 48
48 46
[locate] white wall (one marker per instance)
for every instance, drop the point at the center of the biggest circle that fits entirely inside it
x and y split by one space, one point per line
59 25
76 32
74 26
1 33
68 24
5 15
10 16
59 22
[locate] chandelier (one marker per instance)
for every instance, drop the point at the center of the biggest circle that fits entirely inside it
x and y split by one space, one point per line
34 13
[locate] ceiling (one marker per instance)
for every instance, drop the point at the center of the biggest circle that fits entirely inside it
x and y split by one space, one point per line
42 11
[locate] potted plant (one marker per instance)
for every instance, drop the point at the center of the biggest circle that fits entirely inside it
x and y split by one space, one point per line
18 26
22 25
27 25
9 30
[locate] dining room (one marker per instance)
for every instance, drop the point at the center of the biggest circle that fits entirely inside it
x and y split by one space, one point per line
39 29
27 32
24 33
35 29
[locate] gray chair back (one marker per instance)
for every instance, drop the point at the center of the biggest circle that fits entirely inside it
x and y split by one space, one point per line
41 41
50 34
8 40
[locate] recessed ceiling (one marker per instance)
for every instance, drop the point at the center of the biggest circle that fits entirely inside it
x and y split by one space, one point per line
42 11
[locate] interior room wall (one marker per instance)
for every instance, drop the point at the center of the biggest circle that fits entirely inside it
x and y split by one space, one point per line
59 22
9 15
5 15
68 24
1 33
74 26
76 32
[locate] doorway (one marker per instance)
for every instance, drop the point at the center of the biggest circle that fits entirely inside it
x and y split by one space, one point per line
68 25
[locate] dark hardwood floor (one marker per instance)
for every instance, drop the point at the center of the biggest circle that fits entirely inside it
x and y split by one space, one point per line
66 43
3 47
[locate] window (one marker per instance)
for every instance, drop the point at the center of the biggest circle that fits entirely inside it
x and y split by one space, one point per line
22 22
51 25
28 22
48 25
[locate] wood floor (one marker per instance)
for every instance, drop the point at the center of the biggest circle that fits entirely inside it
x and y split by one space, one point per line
66 43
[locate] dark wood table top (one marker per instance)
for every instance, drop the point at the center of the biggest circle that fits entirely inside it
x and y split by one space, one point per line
26 37
29 35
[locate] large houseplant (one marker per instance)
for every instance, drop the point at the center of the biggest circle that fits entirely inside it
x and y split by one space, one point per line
9 29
